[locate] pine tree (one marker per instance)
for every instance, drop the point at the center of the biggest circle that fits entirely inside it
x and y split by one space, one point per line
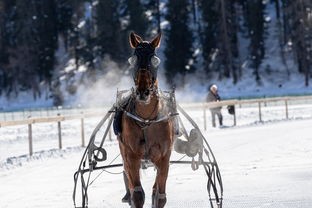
233 33
254 17
211 17
178 51
23 58
277 8
225 44
65 12
297 20
83 38
4 56
46 33
152 7
31 44
70 16
220 43
137 17
108 29
133 19
3 34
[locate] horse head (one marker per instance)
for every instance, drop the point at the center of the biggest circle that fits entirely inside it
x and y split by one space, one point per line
145 63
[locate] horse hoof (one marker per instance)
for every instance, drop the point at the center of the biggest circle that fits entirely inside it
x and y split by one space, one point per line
127 198
137 198
162 202
158 200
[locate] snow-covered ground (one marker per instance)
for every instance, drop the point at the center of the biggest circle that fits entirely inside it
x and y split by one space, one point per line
263 164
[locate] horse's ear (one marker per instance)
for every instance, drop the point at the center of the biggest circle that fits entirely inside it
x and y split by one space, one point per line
156 41
134 40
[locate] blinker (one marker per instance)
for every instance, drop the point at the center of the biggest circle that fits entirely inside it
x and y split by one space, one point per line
155 61
133 60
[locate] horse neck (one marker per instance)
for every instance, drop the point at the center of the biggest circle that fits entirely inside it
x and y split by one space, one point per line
150 110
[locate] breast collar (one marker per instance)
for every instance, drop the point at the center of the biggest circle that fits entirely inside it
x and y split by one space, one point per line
144 123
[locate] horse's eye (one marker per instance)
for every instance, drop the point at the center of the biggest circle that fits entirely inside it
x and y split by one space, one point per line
133 60
155 61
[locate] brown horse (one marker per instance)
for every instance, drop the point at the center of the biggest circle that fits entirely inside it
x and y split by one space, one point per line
147 128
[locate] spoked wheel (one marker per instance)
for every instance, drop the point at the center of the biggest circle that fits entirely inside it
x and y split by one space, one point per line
94 155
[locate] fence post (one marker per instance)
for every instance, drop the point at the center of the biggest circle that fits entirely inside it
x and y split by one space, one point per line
59 132
205 117
82 131
30 138
260 116
286 105
234 116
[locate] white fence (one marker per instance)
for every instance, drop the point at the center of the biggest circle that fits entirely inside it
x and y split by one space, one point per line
259 109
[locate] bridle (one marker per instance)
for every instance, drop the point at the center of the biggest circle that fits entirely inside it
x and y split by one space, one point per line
144 60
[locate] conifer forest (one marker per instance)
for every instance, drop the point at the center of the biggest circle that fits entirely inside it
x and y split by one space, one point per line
220 39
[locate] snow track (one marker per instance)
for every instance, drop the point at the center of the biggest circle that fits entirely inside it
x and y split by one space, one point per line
262 165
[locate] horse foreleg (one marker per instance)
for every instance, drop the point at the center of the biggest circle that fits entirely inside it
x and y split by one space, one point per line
127 197
132 168
159 197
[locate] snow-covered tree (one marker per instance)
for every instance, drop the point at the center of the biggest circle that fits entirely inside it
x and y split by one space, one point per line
178 51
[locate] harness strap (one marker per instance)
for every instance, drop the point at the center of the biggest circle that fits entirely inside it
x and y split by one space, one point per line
144 124
161 196
147 122
146 142
137 189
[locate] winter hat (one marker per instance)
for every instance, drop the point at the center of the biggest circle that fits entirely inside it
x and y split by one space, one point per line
213 87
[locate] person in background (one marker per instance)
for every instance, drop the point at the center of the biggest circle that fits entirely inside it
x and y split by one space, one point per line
213 96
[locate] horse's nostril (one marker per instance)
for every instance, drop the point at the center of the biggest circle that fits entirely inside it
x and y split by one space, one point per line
146 92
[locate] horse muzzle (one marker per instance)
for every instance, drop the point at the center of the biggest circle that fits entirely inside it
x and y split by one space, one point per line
143 96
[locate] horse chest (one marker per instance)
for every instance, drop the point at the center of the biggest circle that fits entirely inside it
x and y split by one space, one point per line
149 140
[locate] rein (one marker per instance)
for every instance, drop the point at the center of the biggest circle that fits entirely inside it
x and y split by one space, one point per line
147 122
